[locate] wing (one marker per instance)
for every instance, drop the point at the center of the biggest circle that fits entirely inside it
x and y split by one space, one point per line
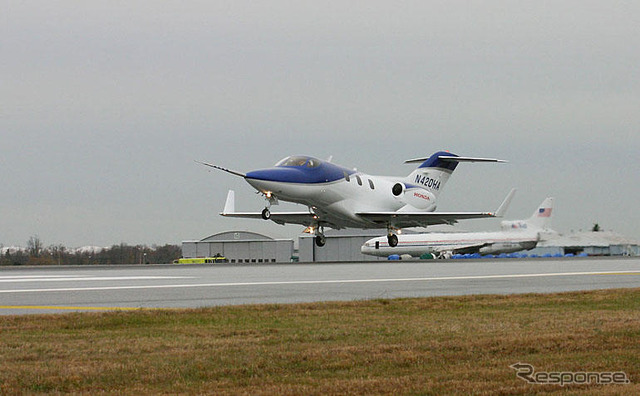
421 219
304 218
461 249
424 219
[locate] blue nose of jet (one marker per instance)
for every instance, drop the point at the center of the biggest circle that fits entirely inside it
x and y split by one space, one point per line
282 175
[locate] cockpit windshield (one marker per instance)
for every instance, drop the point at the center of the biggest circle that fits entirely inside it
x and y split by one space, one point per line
295 160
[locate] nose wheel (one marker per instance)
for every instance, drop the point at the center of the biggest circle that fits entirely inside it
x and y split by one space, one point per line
271 200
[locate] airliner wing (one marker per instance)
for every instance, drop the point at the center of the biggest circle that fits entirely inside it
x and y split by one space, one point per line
461 249
421 219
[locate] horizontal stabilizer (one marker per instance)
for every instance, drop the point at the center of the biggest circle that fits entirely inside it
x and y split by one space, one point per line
451 158
469 159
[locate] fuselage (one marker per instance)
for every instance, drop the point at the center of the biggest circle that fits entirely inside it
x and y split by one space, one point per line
335 193
482 242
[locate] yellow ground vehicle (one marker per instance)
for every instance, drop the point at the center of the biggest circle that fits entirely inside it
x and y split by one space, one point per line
201 260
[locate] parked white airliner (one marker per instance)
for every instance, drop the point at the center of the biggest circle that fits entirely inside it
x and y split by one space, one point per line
339 197
515 236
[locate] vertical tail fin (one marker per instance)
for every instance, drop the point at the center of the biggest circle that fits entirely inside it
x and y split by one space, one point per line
434 172
541 217
539 220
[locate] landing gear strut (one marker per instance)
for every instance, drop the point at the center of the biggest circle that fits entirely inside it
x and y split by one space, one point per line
321 240
271 200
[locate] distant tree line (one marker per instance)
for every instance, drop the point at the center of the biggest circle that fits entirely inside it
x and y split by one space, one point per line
37 254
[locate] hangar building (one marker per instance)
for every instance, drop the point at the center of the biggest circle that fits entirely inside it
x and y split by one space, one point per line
341 245
241 247
251 247
344 245
602 243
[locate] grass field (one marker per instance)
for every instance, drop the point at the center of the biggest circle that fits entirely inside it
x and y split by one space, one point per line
431 346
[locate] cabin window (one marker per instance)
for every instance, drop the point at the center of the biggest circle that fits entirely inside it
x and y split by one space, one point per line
371 184
346 177
359 180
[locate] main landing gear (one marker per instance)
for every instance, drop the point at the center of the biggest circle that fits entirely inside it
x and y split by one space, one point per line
392 235
320 239
266 214
392 239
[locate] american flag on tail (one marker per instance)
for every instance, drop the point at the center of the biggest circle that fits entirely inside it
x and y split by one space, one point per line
544 212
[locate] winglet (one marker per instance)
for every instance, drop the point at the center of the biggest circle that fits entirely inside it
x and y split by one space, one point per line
505 204
230 205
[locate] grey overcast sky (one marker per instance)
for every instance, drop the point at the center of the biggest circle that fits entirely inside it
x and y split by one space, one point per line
105 105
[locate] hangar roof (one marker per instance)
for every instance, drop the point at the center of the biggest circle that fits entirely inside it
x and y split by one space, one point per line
236 236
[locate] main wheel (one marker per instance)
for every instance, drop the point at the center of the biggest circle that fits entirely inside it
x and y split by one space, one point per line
321 240
393 240
266 214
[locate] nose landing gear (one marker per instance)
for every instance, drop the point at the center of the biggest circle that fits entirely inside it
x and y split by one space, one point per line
271 200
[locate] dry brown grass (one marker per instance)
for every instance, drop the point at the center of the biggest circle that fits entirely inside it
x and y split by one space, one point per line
445 345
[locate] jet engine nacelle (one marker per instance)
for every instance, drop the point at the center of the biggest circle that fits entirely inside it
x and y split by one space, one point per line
416 197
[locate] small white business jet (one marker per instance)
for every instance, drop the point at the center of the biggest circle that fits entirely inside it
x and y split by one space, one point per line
338 197
515 236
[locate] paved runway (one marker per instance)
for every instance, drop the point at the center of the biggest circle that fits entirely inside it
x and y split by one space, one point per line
61 289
